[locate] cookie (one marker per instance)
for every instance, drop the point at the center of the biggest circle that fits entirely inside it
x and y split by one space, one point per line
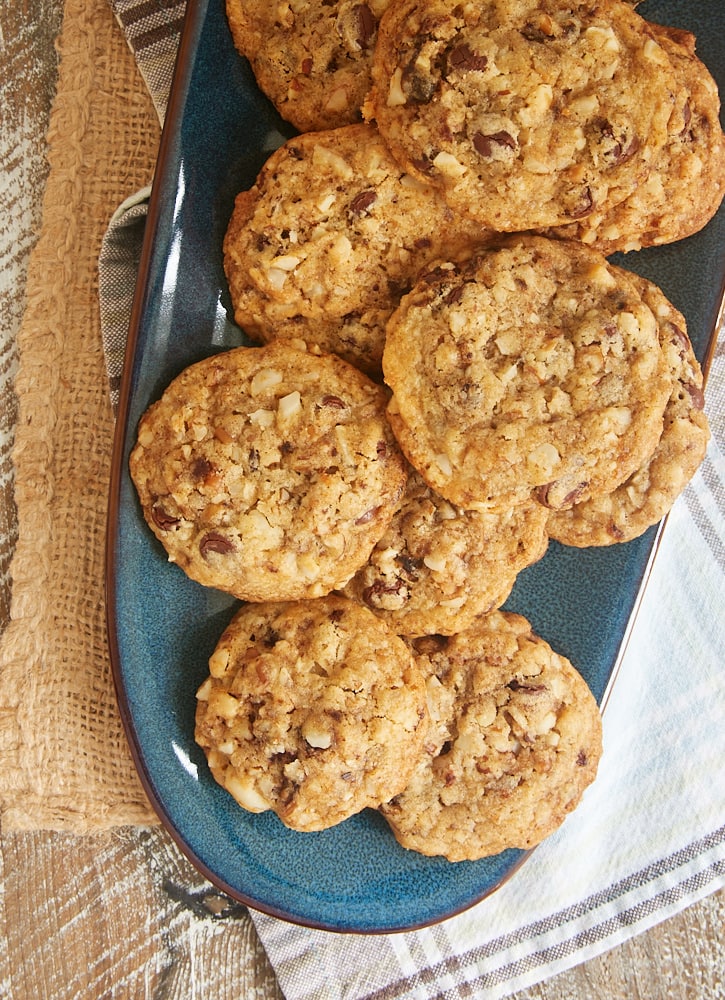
649 493
268 472
531 372
686 184
310 57
525 113
312 709
515 740
438 567
328 239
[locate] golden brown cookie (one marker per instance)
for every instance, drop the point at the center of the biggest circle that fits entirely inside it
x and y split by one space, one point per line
686 184
437 567
313 709
524 113
648 494
268 472
515 740
310 57
533 371
328 239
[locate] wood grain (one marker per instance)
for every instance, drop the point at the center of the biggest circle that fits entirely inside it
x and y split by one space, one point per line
124 915
27 83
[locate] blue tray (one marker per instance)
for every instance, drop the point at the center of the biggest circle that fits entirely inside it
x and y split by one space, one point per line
162 626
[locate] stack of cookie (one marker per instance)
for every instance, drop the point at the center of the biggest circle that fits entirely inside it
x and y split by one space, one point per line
450 372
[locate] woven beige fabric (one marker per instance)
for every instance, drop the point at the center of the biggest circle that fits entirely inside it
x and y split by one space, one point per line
64 761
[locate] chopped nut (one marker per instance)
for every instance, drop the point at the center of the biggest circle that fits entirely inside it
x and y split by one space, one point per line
448 164
245 793
204 691
315 735
218 662
289 406
222 704
266 378
396 94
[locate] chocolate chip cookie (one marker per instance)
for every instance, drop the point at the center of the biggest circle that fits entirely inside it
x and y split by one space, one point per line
268 472
327 240
312 709
648 494
524 113
438 567
686 184
515 740
532 371
310 57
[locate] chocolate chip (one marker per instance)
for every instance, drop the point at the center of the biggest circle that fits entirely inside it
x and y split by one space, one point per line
163 520
200 468
454 295
366 25
371 595
545 495
582 759
420 88
483 144
620 154
463 59
368 516
515 685
334 401
362 202
696 395
410 566
583 206
214 542
679 338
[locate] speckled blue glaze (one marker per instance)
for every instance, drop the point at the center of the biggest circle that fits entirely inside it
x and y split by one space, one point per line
163 627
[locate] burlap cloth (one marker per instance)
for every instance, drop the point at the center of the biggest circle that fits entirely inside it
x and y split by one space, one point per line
64 761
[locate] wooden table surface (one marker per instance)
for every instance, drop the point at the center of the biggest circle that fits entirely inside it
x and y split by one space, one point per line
123 914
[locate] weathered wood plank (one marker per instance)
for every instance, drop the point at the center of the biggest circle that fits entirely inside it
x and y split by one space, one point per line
124 915
27 84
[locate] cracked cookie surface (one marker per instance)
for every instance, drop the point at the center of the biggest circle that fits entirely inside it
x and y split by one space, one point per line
268 472
328 239
649 493
531 372
515 739
437 566
525 113
312 709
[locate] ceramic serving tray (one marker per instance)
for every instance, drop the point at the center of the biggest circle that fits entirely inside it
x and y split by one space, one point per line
162 626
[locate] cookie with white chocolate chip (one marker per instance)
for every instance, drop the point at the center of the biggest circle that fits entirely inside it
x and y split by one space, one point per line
311 58
524 113
312 709
531 372
649 493
268 472
329 237
515 740
438 567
